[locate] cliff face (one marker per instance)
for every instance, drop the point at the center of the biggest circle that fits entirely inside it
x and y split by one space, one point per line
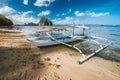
45 22
5 21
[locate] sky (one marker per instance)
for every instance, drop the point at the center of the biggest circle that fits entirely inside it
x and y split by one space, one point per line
62 12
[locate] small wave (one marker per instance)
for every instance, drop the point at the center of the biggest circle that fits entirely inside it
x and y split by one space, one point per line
115 35
111 53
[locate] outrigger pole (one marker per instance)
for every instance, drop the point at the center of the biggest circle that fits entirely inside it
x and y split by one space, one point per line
97 51
71 46
83 55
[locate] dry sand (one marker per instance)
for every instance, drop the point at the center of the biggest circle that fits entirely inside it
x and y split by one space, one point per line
20 60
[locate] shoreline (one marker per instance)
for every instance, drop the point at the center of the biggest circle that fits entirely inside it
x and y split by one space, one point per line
19 59
111 53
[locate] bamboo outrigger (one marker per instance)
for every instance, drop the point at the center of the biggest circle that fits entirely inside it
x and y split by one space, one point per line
54 38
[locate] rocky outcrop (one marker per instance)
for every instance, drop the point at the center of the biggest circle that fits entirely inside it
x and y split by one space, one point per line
45 22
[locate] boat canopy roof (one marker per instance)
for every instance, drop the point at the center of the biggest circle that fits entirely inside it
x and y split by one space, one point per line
83 27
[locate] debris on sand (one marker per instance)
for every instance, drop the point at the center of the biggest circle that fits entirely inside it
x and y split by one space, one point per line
70 54
70 79
47 59
50 64
42 64
58 58
55 65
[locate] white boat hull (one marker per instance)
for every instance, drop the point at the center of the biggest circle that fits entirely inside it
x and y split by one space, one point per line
45 43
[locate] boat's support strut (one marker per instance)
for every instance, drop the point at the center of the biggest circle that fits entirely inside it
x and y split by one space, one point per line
80 51
97 51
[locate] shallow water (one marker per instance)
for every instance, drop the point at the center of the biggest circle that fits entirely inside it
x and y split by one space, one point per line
112 33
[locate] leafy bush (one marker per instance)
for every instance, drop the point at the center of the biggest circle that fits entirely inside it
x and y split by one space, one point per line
5 21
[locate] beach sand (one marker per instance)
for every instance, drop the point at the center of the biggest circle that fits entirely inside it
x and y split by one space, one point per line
20 60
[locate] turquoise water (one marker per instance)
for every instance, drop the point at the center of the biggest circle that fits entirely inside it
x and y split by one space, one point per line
112 33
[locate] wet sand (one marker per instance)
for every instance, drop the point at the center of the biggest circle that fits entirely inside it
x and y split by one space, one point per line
20 60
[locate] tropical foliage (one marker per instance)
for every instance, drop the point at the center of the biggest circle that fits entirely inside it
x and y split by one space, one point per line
5 21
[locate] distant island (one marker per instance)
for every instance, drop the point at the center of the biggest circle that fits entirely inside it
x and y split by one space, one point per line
45 22
5 21
30 24
42 22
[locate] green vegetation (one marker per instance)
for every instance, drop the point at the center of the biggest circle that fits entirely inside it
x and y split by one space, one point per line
45 22
5 21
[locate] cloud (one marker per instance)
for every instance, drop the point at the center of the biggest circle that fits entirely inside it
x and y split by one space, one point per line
63 14
25 2
18 17
77 13
26 13
5 10
44 13
66 21
41 3
93 14
58 15
69 11
22 17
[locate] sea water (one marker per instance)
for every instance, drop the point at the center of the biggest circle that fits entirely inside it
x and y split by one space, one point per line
112 33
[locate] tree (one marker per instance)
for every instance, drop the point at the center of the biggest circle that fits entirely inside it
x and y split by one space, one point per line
5 21
45 22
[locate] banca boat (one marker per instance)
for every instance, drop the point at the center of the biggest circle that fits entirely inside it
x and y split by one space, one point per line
52 37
